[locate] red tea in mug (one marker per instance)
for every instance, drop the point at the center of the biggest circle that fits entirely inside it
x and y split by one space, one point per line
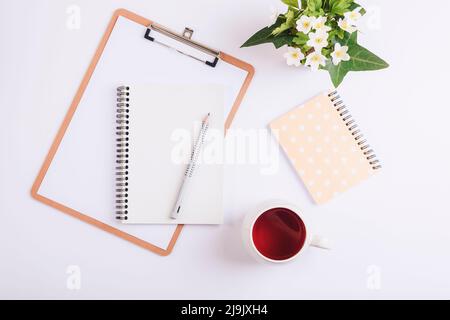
279 234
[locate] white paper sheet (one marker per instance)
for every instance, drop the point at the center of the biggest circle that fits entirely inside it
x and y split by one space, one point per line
164 123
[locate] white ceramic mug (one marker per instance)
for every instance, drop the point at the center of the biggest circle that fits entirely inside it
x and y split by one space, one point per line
309 238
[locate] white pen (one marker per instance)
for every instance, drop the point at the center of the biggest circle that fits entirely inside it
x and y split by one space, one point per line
190 168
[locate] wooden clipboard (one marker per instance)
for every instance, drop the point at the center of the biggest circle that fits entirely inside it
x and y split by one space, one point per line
223 57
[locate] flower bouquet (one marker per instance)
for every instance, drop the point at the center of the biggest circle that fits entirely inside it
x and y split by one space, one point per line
320 34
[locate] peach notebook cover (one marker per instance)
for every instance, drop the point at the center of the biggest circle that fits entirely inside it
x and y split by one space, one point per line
78 174
325 146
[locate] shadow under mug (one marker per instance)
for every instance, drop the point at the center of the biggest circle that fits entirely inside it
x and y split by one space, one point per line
279 232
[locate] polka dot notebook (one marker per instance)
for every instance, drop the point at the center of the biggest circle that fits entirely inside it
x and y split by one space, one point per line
325 146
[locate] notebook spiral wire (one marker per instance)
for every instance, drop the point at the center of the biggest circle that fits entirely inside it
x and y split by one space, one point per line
122 144
355 131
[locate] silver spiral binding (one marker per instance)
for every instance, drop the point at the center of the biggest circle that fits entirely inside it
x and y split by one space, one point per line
354 130
122 144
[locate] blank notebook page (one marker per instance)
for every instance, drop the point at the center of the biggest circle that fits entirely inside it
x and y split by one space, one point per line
164 122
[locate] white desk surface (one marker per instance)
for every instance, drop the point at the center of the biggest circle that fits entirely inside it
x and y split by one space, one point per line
390 235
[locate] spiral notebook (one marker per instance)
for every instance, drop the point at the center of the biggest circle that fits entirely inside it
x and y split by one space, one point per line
325 146
153 149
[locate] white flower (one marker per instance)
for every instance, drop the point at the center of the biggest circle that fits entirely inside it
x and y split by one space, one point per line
345 25
274 13
353 16
340 54
314 60
319 24
318 40
304 24
294 56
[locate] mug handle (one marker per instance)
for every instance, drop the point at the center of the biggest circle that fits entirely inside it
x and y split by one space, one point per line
320 242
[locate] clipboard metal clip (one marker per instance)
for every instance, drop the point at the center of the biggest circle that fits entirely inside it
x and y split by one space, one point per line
184 38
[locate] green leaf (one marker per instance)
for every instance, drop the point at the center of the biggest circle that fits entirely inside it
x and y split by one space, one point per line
364 60
351 37
300 39
291 3
264 35
339 7
361 59
289 23
337 73
282 40
304 4
326 5
314 5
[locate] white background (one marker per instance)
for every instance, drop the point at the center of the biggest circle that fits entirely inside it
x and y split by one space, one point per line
393 228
